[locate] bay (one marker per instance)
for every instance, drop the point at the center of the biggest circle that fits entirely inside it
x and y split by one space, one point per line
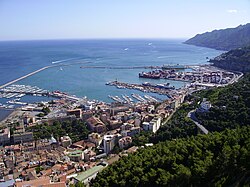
18 58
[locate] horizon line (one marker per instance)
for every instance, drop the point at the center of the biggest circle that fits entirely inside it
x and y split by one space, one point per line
97 38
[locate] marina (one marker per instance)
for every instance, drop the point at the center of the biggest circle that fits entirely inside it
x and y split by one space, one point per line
11 95
137 97
162 89
19 91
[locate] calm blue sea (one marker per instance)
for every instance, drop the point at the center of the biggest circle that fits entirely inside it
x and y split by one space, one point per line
18 58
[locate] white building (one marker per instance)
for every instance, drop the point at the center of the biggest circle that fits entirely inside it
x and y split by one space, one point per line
88 106
205 105
109 143
95 138
153 125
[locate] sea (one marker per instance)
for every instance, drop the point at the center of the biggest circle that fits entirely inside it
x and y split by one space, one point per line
18 58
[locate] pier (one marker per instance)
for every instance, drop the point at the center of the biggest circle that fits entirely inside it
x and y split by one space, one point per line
23 77
121 67
138 67
143 88
37 71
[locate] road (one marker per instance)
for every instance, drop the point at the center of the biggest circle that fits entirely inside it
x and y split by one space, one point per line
192 116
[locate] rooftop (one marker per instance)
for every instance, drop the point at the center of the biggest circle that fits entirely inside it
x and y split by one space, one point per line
75 153
84 175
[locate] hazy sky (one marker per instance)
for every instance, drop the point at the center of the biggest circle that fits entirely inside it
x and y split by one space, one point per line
55 19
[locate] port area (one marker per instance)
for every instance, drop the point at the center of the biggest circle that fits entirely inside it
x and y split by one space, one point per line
136 98
203 75
163 89
12 96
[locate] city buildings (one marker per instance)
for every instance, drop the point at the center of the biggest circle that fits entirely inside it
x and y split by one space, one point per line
125 142
76 112
153 125
96 125
22 137
95 138
4 136
76 155
108 143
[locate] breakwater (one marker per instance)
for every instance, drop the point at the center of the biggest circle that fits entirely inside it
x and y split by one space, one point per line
121 67
37 71
23 77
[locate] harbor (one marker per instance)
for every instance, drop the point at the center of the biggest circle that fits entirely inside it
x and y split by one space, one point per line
205 75
11 96
162 89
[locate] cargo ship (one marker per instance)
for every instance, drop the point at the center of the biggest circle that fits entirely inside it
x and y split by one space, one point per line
177 66
149 75
162 86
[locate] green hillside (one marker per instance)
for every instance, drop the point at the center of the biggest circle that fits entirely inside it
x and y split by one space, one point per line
235 60
224 39
204 160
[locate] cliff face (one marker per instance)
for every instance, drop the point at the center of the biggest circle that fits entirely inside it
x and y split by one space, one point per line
224 39
234 60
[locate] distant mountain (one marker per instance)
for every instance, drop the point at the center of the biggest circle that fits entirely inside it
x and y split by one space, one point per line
224 39
235 60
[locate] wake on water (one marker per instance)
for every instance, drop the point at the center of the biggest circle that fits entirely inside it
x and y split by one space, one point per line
64 60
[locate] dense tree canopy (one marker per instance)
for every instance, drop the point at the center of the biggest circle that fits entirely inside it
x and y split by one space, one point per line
76 129
203 160
230 106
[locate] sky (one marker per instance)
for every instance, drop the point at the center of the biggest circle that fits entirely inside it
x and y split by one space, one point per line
88 19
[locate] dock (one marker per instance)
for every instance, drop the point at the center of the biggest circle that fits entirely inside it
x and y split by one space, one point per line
143 88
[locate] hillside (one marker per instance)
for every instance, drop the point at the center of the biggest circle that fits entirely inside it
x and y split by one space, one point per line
224 39
235 60
216 159
231 106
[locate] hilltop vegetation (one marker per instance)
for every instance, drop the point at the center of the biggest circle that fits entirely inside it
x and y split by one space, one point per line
234 60
203 160
224 39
